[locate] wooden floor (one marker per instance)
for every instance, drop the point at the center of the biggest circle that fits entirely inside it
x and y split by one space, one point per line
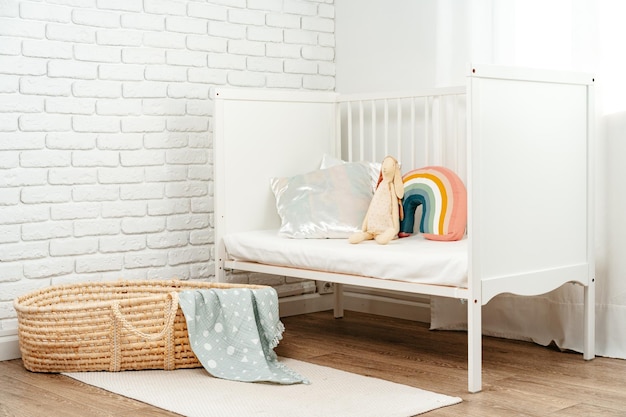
519 379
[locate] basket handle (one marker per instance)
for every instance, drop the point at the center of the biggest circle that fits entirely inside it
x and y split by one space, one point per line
170 315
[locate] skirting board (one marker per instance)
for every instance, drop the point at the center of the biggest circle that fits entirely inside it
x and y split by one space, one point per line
416 310
291 306
9 346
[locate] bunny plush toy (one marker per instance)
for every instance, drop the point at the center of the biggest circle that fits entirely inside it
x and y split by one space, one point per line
382 221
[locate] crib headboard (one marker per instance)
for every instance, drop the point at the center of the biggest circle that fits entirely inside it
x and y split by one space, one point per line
264 134
530 179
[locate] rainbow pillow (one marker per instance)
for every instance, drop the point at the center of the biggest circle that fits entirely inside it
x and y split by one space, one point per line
443 198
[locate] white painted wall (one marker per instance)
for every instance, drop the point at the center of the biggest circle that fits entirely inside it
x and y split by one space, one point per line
385 45
106 124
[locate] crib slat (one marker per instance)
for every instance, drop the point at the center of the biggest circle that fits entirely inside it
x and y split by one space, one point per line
386 124
399 128
413 138
338 127
455 122
426 131
349 117
440 135
361 132
374 123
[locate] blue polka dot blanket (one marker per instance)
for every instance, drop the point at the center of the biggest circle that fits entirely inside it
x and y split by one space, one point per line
234 331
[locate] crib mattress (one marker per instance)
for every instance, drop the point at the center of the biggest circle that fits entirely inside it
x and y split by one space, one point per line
411 259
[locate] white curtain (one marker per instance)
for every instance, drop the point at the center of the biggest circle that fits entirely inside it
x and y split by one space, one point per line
560 34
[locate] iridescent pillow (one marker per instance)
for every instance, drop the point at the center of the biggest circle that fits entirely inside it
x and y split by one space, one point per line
329 161
326 203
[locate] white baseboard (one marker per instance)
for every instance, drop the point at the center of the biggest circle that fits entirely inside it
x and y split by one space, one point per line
306 303
9 346
416 310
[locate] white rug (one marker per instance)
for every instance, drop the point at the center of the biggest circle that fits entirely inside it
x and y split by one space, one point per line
194 393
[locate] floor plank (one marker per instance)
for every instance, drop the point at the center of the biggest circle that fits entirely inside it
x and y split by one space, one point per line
519 378
28 394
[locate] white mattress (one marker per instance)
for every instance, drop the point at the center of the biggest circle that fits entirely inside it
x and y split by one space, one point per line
412 259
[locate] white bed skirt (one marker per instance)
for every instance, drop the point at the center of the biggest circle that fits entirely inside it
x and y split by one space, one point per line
433 262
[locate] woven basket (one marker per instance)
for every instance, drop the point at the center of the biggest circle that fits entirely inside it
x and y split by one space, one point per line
107 326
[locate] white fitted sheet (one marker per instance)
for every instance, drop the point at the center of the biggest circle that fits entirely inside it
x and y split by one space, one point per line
411 259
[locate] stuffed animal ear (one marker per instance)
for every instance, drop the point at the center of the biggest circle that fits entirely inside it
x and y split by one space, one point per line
398 184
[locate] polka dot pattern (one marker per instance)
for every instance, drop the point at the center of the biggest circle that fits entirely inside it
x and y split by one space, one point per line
234 331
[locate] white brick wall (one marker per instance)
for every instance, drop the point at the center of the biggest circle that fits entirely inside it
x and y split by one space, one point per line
105 125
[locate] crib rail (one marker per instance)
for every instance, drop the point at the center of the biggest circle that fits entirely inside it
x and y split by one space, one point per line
424 128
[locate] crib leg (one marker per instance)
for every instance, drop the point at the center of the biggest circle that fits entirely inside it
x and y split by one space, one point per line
474 345
589 325
338 301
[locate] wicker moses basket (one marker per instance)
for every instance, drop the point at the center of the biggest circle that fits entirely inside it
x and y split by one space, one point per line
107 326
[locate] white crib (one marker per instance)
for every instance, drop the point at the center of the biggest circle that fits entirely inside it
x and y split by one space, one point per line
521 139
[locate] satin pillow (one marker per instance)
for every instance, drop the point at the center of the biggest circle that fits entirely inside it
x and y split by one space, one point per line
373 167
326 203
